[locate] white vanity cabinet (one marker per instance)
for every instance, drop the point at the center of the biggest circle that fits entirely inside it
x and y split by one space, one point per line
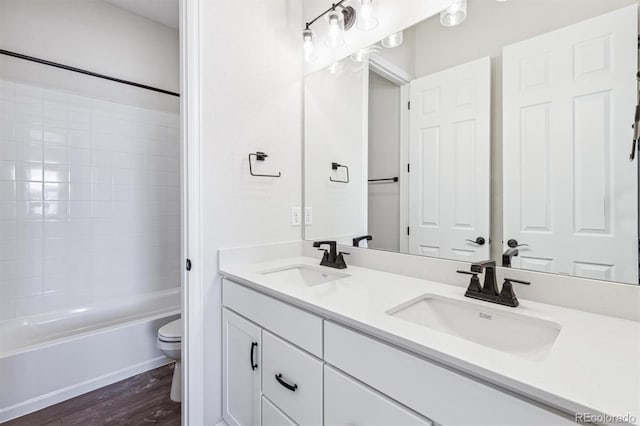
348 402
241 345
312 371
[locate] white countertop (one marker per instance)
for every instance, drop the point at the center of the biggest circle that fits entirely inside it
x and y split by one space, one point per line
594 365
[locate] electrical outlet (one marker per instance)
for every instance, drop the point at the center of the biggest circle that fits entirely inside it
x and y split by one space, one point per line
296 219
308 215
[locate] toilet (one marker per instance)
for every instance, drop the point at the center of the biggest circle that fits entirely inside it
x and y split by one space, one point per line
169 341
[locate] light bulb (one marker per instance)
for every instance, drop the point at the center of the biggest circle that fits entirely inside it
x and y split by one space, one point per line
360 56
334 38
366 18
307 45
394 40
454 14
335 68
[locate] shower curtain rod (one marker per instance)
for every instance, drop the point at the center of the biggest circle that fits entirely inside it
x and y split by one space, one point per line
85 72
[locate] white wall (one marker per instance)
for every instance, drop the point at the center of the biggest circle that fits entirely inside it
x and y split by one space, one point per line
384 162
402 57
96 36
336 131
489 27
251 88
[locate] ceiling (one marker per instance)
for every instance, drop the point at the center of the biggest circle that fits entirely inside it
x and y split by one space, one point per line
162 11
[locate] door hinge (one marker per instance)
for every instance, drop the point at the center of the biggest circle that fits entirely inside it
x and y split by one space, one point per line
409 105
408 167
188 264
408 230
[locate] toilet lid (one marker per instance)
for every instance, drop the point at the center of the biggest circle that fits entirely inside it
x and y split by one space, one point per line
171 332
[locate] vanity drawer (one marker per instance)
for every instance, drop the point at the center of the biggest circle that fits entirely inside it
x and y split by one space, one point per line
292 379
272 416
295 325
436 392
364 407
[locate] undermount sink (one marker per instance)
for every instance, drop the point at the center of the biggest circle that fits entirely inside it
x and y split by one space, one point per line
509 332
304 275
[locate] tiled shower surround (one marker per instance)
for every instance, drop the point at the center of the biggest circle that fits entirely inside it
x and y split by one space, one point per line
89 200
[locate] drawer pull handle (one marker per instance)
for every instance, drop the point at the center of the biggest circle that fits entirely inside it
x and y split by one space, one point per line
280 380
251 351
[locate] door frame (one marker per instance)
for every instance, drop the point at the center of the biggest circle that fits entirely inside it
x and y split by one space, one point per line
402 79
191 244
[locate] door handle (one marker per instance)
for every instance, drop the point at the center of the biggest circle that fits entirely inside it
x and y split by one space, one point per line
280 380
478 241
254 345
514 244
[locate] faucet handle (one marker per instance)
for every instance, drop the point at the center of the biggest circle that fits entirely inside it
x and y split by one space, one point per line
474 284
511 280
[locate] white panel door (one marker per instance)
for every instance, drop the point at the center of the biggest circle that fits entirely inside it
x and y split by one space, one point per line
450 162
241 363
570 192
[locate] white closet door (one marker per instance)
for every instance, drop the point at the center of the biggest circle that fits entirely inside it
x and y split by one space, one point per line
450 162
570 192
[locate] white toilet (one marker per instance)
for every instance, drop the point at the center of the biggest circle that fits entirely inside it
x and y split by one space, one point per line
169 341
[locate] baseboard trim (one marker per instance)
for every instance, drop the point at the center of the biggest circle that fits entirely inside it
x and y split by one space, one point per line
77 389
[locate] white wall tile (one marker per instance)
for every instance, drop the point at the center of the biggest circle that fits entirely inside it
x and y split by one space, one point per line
90 200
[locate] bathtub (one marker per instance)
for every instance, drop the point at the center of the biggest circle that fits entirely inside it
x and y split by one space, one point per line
48 358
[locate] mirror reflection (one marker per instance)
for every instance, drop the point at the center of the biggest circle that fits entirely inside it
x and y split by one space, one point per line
505 136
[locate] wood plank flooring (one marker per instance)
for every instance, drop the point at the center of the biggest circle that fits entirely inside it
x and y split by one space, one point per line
139 400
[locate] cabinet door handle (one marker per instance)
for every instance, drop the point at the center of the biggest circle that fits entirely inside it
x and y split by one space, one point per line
251 351
280 380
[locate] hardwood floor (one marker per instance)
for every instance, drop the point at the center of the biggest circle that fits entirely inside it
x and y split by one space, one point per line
139 400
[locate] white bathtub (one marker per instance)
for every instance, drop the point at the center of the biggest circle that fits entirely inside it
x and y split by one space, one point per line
45 359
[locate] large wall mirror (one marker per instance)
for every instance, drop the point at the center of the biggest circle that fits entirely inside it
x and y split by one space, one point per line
506 137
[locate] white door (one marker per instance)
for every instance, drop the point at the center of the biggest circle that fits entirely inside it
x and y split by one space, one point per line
570 192
449 187
241 362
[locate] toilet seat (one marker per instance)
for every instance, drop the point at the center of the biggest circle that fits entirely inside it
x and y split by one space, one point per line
172 332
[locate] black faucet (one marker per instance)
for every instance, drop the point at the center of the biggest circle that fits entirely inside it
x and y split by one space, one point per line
356 241
490 286
507 255
331 257
489 290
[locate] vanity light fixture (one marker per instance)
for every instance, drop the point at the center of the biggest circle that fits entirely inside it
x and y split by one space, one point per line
308 47
454 14
366 19
394 40
340 18
334 38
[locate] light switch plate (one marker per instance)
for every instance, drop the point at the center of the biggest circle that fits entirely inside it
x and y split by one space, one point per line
308 215
296 219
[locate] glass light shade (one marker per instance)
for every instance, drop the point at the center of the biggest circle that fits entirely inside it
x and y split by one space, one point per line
454 14
307 45
334 38
335 68
366 16
394 40
360 56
